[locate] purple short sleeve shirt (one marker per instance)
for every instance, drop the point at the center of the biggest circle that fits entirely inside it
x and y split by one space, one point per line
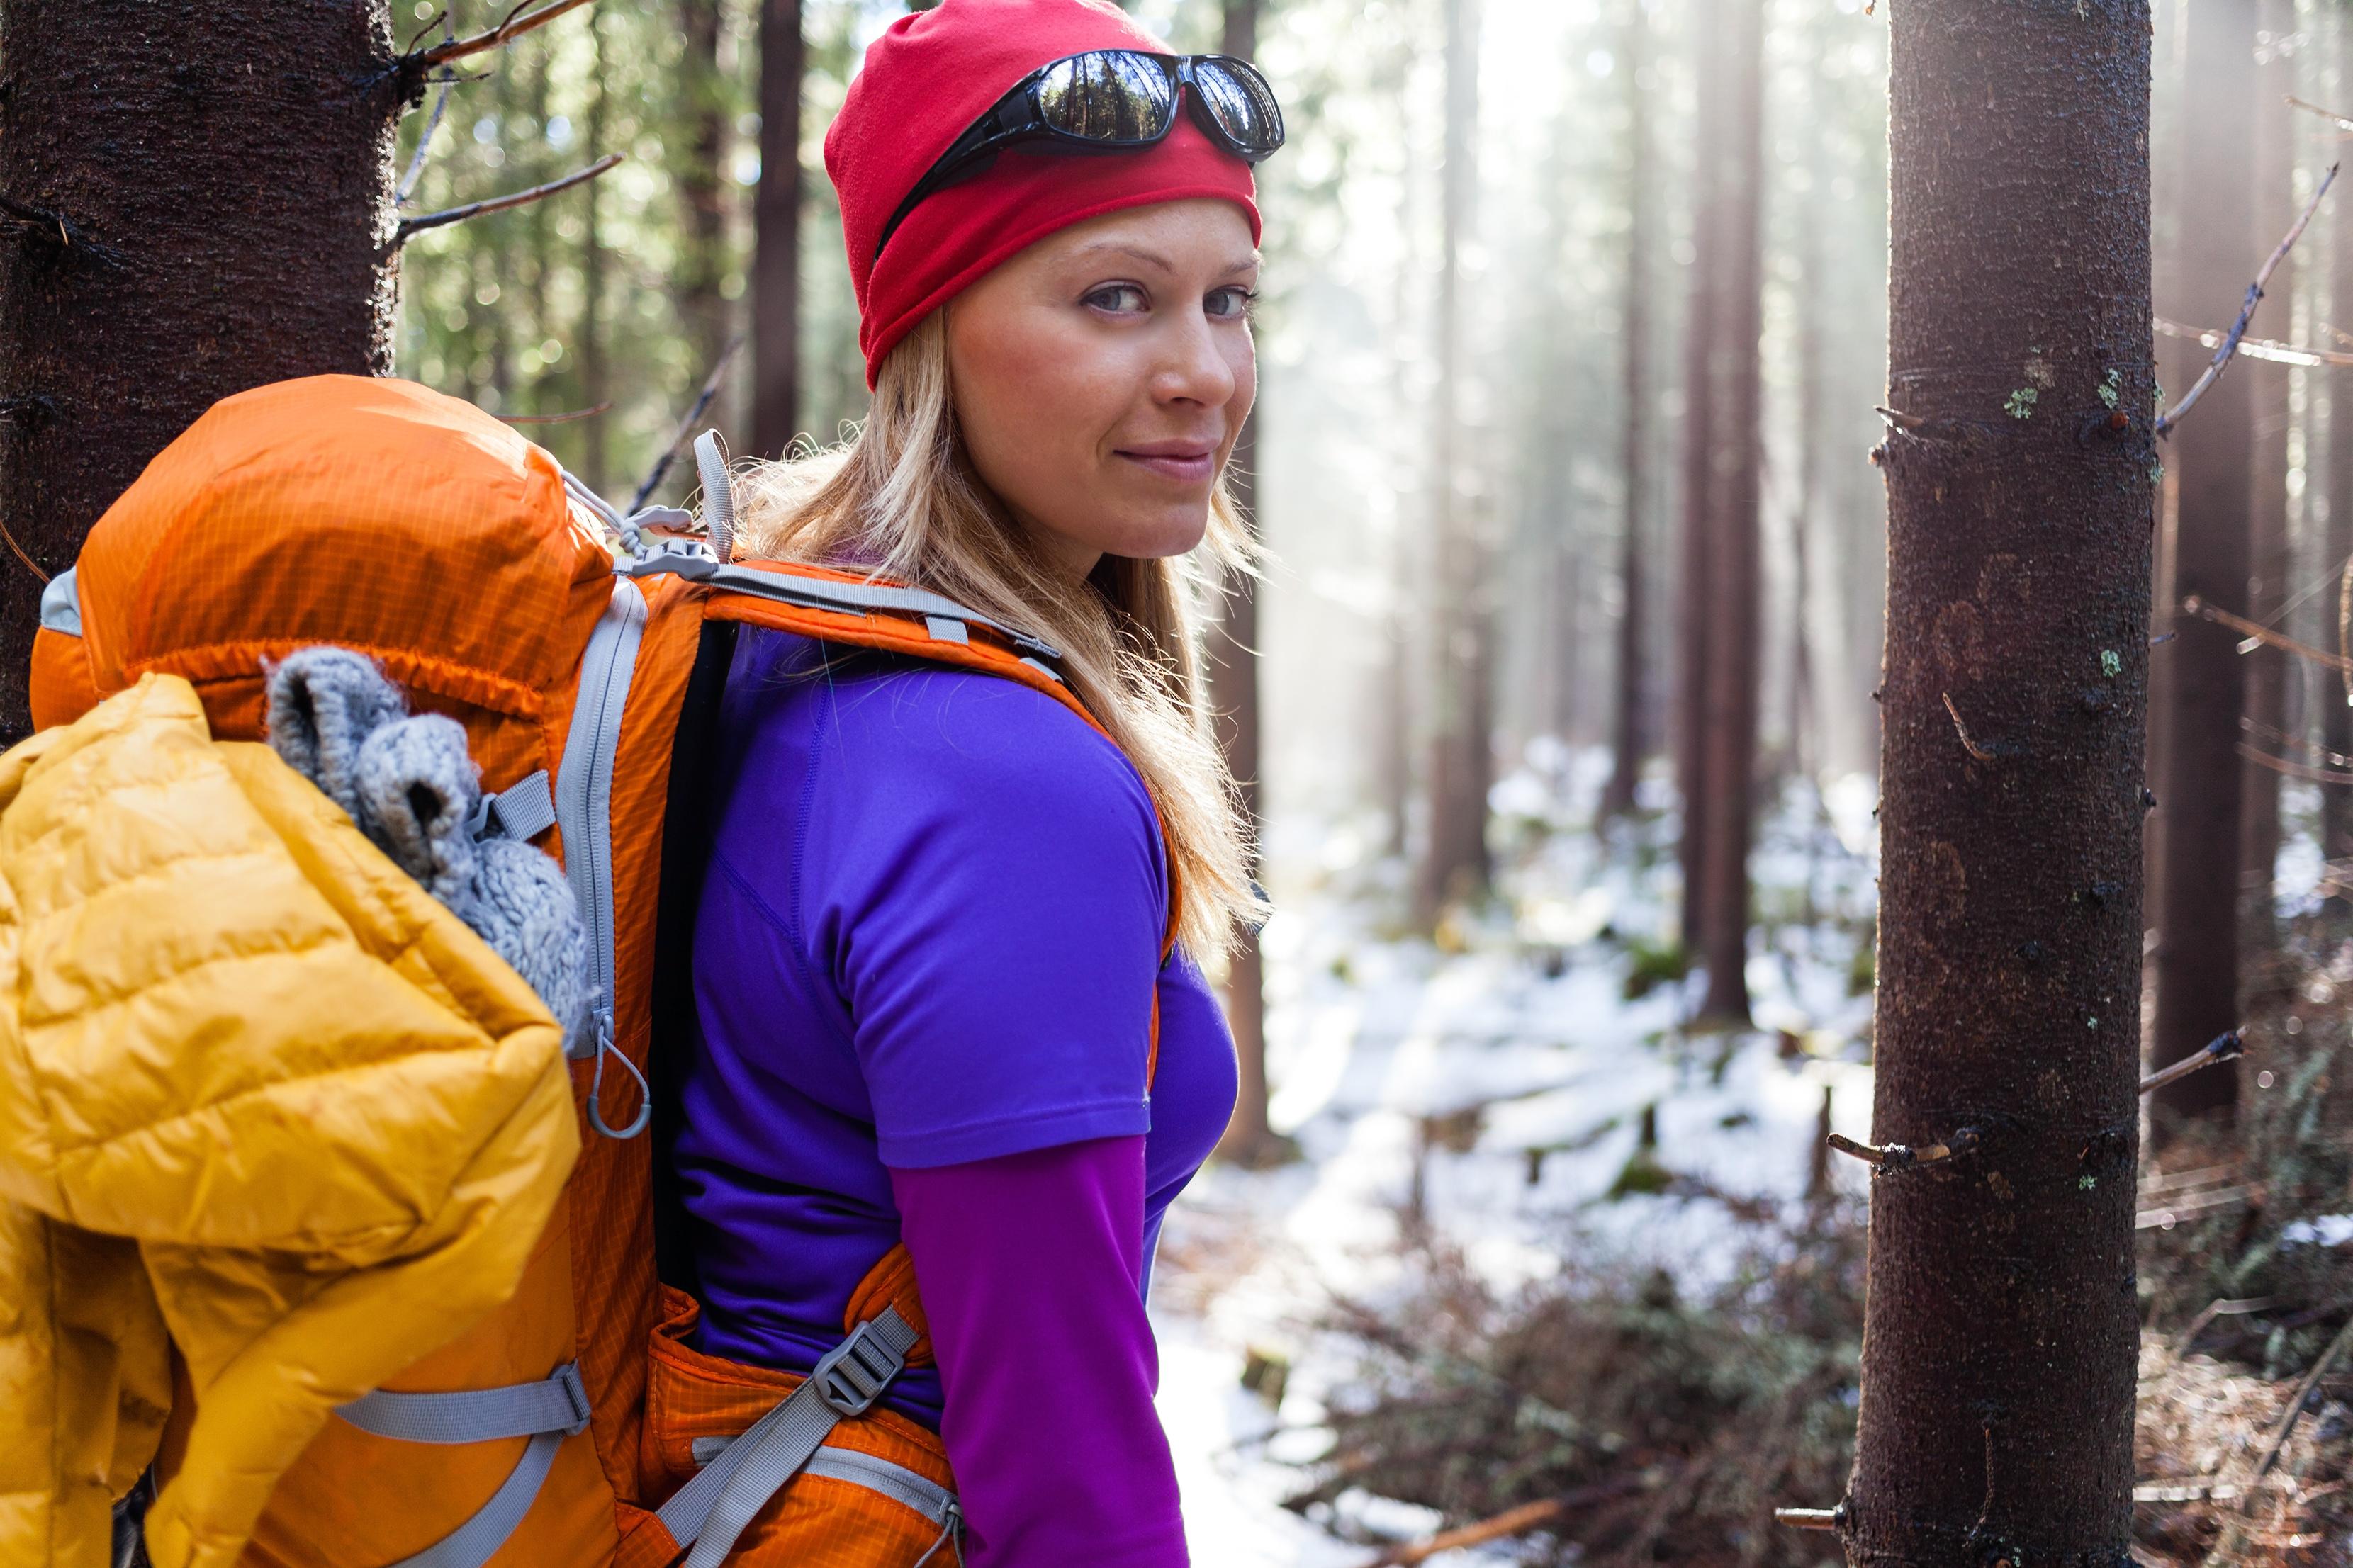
930 935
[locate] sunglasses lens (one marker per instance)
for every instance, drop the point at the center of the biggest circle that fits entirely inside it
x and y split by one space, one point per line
1242 103
1109 95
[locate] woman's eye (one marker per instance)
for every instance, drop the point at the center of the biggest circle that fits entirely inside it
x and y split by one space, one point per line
1121 299
1227 303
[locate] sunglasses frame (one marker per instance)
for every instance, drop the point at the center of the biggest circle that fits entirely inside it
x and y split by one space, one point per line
1018 117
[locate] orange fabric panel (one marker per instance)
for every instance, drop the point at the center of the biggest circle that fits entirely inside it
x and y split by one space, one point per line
817 1520
63 689
892 1283
613 1282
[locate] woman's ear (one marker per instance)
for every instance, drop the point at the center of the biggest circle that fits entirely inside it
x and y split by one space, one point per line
323 704
418 787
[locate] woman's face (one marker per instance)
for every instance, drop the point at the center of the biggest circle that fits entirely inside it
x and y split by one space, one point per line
1101 375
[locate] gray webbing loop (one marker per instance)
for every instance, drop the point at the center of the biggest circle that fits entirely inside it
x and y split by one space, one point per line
61 605
546 1412
718 495
606 1049
558 1403
522 813
710 1511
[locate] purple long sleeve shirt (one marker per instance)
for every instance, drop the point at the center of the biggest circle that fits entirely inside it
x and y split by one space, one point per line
926 962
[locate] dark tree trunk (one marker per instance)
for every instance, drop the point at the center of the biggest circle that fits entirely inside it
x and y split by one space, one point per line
2001 1330
2259 833
2336 688
1234 692
588 336
776 259
2200 791
1454 859
701 176
1696 558
1628 740
191 203
1728 756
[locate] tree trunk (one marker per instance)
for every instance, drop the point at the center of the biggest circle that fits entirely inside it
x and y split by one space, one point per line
776 259
1234 692
1728 756
701 176
2000 1329
1454 859
2266 668
2200 790
588 336
1627 737
190 205
1695 597
2336 688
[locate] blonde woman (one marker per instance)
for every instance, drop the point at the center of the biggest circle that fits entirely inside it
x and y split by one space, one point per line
935 1001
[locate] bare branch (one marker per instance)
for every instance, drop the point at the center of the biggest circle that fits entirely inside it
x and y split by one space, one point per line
2223 1047
564 418
2267 349
1514 1521
409 226
512 26
424 146
2304 771
18 550
2328 115
1979 753
2166 422
1811 1517
2255 632
686 425
1895 1157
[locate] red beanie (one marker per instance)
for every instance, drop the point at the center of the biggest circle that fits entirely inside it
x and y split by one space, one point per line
925 81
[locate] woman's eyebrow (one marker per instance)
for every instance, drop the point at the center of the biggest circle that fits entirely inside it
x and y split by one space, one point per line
1150 258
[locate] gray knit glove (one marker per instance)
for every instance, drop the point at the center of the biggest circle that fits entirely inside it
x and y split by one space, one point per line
412 787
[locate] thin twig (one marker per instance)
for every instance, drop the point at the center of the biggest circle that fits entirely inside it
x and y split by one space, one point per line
2328 115
2287 769
1979 753
1901 420
2166 422
2255 348
18 550
686 425
1810 1518
510 27
2256 632
2224 1046
409 226
1894 1157
2227 1543
423 145
564 419
1512 1521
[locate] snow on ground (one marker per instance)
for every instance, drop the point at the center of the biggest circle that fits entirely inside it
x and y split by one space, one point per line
1504 1075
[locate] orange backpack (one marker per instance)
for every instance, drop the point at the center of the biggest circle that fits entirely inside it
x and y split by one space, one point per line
586 655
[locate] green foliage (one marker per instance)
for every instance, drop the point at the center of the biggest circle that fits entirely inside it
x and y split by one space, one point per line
1653 965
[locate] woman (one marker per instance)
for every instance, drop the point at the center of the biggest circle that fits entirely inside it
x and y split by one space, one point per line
937 996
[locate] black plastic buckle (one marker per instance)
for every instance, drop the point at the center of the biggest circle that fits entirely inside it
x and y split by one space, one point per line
852 1375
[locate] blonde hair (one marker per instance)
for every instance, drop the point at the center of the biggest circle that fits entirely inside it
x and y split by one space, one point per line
899 499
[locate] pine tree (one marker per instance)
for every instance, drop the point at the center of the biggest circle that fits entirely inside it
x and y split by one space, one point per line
776 262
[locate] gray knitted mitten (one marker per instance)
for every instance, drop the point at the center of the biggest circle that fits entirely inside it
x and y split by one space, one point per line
412 787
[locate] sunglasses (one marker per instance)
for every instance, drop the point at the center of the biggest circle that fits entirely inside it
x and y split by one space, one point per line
1113 100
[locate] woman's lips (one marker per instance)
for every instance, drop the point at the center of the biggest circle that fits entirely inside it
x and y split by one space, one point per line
1186 462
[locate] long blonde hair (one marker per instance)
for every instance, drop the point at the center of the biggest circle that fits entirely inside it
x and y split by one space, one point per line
901 499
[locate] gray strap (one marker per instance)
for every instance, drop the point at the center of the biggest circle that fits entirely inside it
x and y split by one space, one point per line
61 605
522 813
874 1473
546 1412
718 495
557 1404
823 593
710 1511
584 784
945 630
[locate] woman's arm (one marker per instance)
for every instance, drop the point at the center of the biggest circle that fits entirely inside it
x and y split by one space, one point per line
1029 1266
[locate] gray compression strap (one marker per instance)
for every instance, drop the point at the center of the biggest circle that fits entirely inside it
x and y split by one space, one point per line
824 593
61 605
556 1403
710 1511
718 495
584 786
896 1483
546 1412
522 813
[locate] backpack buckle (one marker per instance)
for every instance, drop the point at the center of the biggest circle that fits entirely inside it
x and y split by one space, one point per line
852 1375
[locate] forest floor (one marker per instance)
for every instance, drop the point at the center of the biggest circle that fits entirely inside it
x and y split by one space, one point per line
1541 1241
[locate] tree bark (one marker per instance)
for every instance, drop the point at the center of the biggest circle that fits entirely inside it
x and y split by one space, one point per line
1628 739
195 205
1695 597
2000 1330
2200 791
588 335
1234 692
1454 859
776 261
701 177
2336 688
2266 668
1736 578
